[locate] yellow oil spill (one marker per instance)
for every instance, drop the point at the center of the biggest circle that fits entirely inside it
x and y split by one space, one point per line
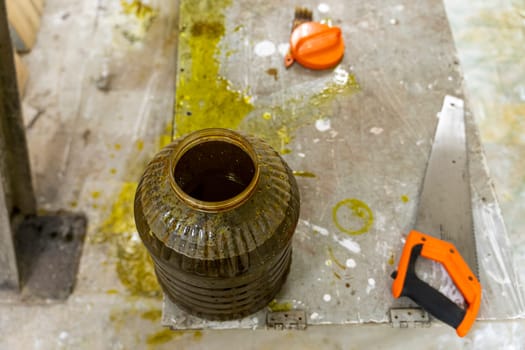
303 173
152 315
333 89
358 210
294 113
140 145
391 260
334 259
166 137
285 138
405 199
137 8
164 336
203 97
274 306
134 265
141 17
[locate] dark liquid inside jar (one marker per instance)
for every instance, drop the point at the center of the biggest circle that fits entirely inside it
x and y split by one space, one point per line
214 171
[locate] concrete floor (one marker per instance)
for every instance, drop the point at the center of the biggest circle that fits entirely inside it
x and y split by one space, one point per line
89 136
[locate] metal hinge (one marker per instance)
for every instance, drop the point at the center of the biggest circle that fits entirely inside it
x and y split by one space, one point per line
409 318
293 319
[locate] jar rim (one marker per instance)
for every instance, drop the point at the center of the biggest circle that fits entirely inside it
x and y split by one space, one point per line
206 135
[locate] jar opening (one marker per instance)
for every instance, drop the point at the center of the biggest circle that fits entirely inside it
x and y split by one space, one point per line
214 171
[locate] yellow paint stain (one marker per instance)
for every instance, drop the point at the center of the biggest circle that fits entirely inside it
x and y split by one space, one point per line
267 116
137 9
112 291
336 275
73 204
112 171
405 199
284 136
391 260
140 145
197 335
117 146
204 98
274 306
152 315
163 336
337 262
95 194
358 210
134 265
303 173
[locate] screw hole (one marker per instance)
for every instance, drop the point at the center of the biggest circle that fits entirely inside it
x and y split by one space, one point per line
53 234
285 315
452 251
423 239
471 278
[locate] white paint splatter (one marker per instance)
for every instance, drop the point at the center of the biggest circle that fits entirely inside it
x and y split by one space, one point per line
340 76
283 48
376 130
323 124
371 285
323 8
350 263
321 230
316 140
349 244
302 155
63 335
264 48
314 316
328 262
394 21
327 297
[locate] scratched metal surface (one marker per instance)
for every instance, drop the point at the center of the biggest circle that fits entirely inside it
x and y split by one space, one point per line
374 150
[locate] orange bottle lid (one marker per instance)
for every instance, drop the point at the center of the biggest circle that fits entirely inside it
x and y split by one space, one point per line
316 46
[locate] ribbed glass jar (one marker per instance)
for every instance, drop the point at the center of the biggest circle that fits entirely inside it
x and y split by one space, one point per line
217 211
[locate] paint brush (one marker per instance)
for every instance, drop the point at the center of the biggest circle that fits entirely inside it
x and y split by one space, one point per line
302 15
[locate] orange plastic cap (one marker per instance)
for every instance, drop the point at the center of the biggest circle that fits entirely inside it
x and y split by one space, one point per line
316 46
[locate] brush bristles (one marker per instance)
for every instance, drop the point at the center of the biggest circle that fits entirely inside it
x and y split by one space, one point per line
302 15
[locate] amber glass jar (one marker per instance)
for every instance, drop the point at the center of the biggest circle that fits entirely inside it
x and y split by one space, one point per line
217 211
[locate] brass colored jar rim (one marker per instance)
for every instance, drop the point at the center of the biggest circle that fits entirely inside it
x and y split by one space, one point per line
208 135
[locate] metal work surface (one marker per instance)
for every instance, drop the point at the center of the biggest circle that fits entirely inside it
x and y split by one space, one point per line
362 132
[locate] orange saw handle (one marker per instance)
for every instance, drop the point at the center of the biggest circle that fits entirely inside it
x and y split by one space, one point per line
406 283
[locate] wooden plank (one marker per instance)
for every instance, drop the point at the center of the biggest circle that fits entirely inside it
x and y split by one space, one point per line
38 5
24 21
22 74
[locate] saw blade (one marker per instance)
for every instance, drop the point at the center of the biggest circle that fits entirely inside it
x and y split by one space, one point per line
445 209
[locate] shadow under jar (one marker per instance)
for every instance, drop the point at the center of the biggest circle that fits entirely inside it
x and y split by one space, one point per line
217 211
